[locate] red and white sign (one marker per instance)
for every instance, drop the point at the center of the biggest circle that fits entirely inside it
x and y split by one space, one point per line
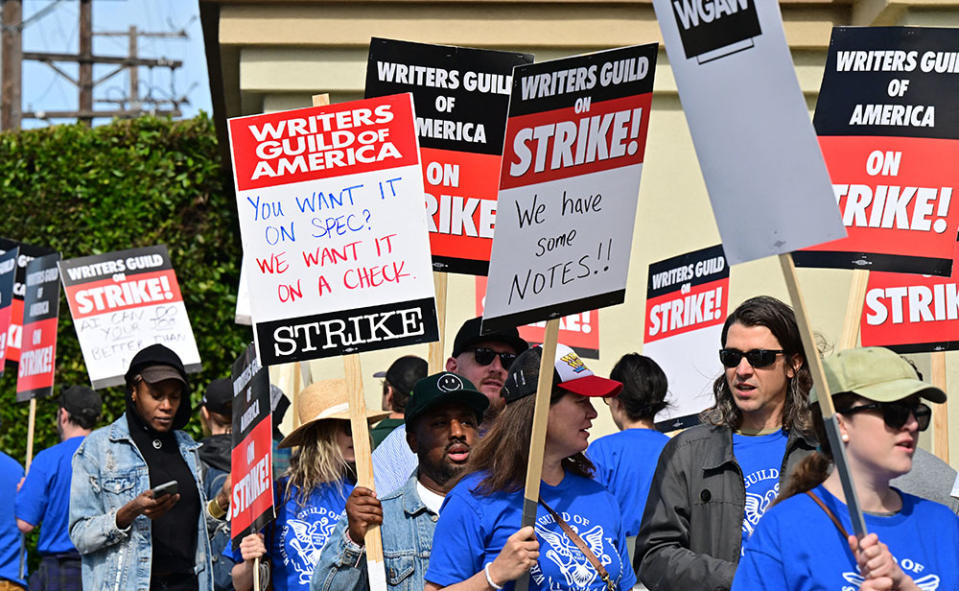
27 252
41 307
8 271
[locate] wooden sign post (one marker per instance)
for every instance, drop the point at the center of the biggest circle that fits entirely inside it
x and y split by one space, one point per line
436 349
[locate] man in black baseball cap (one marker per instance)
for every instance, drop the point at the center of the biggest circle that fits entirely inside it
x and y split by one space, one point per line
398 384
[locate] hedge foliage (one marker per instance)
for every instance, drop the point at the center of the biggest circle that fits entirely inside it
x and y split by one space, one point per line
129 184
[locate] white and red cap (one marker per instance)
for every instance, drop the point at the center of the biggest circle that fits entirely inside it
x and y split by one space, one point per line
569 373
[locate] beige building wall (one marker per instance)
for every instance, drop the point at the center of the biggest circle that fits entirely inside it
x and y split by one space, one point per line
275 55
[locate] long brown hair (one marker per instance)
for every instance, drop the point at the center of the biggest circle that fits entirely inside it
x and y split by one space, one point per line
504 452
779 318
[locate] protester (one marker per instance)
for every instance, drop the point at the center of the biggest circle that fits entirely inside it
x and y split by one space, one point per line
714 481
398 383
11 578
127 537
441 418
625 461
310 496
216 409
44 496
480 358
804 541
483 545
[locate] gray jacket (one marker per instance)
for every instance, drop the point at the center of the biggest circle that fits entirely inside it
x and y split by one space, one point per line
691 532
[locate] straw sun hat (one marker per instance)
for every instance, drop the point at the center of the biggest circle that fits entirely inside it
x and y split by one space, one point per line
319 401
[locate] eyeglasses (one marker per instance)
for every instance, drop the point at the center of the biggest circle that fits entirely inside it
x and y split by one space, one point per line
896 414
485 356
755 357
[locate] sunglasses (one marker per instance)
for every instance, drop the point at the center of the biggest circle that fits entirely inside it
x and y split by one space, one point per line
485 356
755 357
896 414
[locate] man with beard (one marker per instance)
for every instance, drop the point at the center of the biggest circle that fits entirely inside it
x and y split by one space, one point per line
483 359
442 417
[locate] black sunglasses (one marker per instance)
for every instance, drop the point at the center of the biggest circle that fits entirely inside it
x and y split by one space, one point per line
896 414
485 356
755 357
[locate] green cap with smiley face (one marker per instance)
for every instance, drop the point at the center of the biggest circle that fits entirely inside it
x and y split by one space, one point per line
443 388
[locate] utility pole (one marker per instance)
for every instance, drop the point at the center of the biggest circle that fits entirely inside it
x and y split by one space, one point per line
85 79
10 71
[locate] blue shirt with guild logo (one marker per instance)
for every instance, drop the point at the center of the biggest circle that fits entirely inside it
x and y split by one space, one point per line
44 498
473 529
301 529
760 458
797 547
10 474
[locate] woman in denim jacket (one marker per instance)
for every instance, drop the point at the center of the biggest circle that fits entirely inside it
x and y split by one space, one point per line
127 538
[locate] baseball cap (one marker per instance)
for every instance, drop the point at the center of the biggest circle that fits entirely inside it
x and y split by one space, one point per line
155 364
469 335
404 373
569 373
442 388
219 397
875 373
81 401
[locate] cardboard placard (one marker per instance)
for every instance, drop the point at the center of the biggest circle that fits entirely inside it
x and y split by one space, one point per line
888 129
251 473
575 143
578 331
461 97
123 301
28 252
8 272
38 350
750 126
686 303
333 225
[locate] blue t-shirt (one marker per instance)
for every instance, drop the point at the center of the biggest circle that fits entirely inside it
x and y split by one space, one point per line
295 539
797 548
625 464
44 497
759 457
473 529
10 474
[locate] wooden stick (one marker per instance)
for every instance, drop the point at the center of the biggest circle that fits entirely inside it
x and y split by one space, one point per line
31 423
297 386
825 397
857 296
537 442
256 572
436 358
940 412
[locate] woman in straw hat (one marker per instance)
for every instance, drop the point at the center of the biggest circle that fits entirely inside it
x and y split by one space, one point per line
311 495
803 542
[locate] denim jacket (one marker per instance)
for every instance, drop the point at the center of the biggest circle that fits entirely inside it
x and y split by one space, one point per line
108 472
407 541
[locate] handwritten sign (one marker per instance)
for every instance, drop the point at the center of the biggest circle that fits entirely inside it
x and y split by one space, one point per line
27 252
461 97
750 126
8 271
686 301
575 142
333 224
41 306
888 127
123 301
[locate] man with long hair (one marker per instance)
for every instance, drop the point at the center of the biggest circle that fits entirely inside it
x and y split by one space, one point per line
714 481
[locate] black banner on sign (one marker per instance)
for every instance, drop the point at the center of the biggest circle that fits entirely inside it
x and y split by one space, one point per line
347 331
27 252
113 265
41 306
890 81
694 268
711 30
460 94
8 272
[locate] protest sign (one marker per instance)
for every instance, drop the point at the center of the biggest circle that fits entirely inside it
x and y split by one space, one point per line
578 331
331 211
8 271
750 126
251 473
461 96
38 350
242 315
123 301
575 142
27 252
888 130
686 303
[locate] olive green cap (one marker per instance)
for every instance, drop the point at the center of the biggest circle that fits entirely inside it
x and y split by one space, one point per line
875 373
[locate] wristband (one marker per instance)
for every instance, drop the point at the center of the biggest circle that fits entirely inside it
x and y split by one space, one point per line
489 579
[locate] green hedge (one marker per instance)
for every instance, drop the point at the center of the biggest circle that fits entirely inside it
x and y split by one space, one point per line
128 184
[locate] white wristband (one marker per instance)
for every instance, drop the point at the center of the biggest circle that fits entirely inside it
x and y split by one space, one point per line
489 579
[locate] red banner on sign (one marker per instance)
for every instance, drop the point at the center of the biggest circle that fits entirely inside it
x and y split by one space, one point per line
252 478
683 311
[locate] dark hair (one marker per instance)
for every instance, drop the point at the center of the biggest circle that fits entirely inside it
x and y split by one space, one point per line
644 386
781 321
399 400
86 419
504 451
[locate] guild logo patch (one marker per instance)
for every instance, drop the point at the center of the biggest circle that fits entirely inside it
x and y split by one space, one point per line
712 29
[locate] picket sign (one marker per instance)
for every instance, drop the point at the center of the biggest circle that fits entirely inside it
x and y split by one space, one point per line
857 296
940 412
537 441
825 396
31 423
435 356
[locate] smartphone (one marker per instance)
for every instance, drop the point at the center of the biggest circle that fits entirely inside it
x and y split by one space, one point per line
167 488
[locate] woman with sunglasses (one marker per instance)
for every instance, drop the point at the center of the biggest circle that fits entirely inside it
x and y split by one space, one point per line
802 542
